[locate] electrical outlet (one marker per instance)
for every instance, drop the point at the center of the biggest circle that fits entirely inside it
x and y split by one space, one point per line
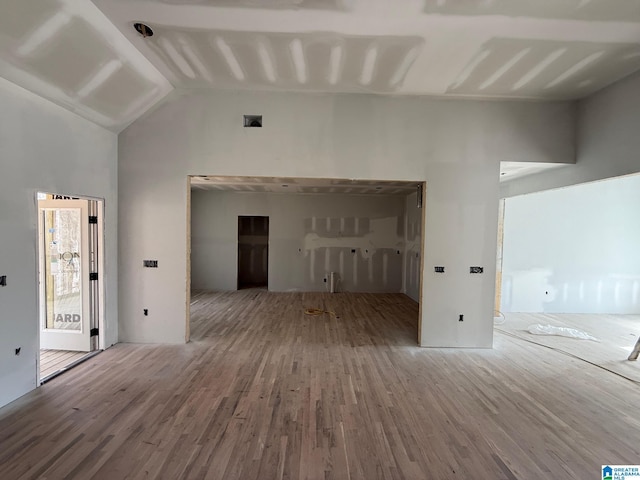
146 312
3 281
150 263
439 269
476 269
461 318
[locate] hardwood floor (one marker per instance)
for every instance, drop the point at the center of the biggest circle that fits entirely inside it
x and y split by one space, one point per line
616 336
53 360
266 392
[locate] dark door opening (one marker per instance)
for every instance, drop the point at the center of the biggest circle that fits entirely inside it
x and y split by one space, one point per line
253 252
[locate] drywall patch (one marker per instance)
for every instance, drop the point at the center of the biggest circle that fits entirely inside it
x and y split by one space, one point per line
380 233
533 67
316 61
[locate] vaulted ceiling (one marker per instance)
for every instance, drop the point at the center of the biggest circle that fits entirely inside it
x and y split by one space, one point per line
87 57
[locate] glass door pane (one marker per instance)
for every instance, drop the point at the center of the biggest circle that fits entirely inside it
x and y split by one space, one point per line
64 275
63 268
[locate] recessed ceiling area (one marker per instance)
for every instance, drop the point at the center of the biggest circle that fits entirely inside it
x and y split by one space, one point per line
302 185
548 49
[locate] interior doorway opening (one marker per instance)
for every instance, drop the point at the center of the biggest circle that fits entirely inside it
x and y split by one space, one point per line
574 267
253 252
361 236
70 263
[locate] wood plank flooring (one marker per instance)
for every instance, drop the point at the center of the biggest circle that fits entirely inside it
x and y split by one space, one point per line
616 334
266 392
53 360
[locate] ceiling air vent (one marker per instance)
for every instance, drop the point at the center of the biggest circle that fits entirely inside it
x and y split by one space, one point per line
253 121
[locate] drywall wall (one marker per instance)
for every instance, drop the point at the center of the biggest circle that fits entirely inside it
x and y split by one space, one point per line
413 245
44 148
607 141
574 250
456 146
358 236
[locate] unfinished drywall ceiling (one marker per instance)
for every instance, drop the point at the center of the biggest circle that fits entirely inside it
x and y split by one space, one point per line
531 68
315 61
339 5
68 52
72 52
598 10
302 185
549 49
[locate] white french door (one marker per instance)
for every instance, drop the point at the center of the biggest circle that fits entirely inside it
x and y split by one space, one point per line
65 262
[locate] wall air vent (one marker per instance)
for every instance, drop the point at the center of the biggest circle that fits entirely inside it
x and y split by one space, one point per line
253 121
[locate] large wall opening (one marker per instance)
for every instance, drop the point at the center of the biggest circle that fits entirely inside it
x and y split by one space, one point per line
346 236
570 259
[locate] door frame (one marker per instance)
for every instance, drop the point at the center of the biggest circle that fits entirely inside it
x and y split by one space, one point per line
497 303
100 264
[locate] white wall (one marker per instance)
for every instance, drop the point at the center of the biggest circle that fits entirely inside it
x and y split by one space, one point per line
309 236
574 250
456 146
413 244
44 148
607 141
